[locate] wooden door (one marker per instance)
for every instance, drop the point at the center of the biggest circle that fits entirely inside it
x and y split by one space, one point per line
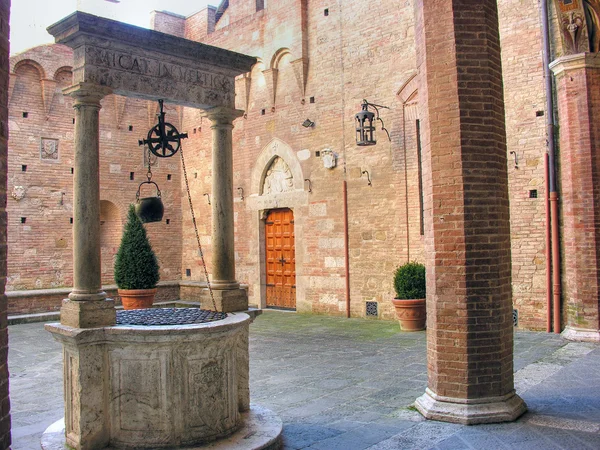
281 259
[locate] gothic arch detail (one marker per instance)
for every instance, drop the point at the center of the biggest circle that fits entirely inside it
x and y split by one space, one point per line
278 178
269 168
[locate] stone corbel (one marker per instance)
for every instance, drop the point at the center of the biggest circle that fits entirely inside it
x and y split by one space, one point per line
301 71
120 103
271 80
243 85
12 80
48 89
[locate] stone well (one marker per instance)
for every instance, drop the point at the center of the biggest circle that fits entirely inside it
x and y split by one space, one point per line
155 386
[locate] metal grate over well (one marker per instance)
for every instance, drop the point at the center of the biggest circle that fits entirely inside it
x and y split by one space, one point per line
168 316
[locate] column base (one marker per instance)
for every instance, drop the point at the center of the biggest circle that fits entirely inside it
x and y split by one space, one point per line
581 334
229 300
470 411
224 285
88 314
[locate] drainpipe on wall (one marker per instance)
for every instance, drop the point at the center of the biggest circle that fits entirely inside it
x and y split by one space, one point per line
346 251
552 190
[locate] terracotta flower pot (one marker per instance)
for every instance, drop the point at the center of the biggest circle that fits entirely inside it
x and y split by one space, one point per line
137 298
411 314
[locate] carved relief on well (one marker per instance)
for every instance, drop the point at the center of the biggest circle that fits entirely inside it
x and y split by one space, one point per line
279 178
212 395
49 149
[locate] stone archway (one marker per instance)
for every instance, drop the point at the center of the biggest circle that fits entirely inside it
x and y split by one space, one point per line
277 182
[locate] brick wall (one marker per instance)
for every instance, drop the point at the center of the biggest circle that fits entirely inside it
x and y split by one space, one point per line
526 113
40 182
5 437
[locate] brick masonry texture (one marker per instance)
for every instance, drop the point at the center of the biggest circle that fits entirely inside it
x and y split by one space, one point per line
578 99
468 230
5 437
317 60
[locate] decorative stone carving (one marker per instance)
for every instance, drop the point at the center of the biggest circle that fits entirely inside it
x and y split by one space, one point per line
154 386
329 159
49 149
279 178
18 192
592 18
578 21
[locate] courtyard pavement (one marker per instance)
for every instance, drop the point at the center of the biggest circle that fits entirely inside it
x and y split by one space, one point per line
346 384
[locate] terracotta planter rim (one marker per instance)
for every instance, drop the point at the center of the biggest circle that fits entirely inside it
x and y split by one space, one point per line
136 291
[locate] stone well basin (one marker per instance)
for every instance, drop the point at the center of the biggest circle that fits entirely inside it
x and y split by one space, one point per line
154 386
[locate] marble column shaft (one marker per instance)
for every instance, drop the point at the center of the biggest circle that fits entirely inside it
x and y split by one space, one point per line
87 291
223 253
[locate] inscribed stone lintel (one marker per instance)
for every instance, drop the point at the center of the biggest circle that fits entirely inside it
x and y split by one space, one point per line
142 63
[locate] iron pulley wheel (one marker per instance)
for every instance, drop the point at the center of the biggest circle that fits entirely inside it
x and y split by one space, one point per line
164 143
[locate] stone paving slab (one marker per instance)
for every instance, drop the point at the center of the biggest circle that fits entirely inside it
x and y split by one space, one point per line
350 383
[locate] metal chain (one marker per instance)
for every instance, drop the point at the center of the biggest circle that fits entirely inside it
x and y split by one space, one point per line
149 174
187 186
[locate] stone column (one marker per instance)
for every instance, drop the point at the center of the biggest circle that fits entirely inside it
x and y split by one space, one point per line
228 295
469 304
578 92
87 305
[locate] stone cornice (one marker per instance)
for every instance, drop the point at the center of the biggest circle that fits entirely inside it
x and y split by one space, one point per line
575 62
73 29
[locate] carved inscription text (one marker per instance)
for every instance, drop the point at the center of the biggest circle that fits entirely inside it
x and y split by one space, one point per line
157 69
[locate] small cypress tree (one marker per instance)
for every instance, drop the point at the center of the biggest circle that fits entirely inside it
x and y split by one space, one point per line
136 266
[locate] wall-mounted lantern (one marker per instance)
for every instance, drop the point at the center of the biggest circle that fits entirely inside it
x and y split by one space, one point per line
365 129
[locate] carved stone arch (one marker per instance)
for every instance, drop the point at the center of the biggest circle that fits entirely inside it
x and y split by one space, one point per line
31 63
247 84
273 150
409 88
62 73
272 73
277 56
408 95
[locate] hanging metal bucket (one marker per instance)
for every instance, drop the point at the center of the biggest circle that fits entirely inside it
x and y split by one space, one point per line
149 209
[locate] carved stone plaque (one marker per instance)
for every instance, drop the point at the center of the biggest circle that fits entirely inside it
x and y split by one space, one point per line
49 149
279 178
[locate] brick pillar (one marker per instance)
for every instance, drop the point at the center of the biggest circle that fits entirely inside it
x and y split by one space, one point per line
469 304
5 439
578 91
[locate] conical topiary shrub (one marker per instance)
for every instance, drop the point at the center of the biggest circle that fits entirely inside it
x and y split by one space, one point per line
136 266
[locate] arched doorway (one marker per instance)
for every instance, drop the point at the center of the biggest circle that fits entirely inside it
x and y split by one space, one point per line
110 238
280 256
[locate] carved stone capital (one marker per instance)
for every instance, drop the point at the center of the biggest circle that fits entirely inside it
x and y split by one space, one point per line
222 116
575 62
87 94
